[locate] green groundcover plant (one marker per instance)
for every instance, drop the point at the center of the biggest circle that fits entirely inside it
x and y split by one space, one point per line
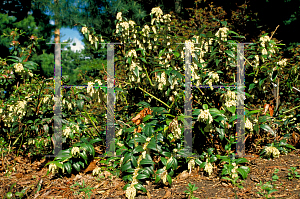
153 64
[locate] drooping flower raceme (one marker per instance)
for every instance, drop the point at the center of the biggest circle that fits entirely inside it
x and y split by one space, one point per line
223 32
75 151
282 62
234 173
270 150
119 16
249 125
191 164
19 67
230 98
208 167
96 171
204 116
175 129
52 168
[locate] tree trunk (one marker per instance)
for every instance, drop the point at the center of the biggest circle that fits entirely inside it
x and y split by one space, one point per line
57 31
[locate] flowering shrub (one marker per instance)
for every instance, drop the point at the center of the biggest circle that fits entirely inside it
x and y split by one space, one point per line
150 50
149 62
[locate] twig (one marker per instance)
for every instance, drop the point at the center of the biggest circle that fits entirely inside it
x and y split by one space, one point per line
274 32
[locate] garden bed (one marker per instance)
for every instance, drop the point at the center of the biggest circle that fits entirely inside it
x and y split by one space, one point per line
31 177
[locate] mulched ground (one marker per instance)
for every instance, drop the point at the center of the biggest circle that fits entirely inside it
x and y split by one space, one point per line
31 175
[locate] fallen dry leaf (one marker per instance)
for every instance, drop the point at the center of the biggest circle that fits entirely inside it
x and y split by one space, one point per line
91 166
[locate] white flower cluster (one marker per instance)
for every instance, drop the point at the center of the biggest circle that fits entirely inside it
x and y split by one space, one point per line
157 11
67 130
85 30
191 165
18 109
43 141
19 67
119 16
175 129
212 77
205 115
256 61
75 151
162 80
263 41
189 45
69 104
230 98
270 150
46 98
208 167
223 31
249 125
131 191
282 62
234 173
119 133
164 174
52 168
96 171
91 90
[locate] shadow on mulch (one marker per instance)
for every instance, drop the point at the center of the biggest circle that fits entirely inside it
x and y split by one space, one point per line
28 176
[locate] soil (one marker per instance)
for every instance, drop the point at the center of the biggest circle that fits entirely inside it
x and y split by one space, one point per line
31 174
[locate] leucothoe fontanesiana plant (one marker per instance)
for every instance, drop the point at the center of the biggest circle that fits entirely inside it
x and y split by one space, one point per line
25 115
176 134
77 157
139 59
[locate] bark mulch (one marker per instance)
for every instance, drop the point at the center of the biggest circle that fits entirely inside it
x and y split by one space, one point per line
31 176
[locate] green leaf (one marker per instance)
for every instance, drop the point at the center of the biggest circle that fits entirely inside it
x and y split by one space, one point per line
68 167
232 109
126 166
267 128
145 161
201 29
148 130
140 187
157 178
145 119
261 81
241 160
137 149
141 138
229 53
197 161
136 72
83 156
221 133
168 166
251 86
143 59
133 160
80 104
210 151
205 106
142 176
176 54
152 146
215 112
167 154
163 160
169 179
243 172
76 166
